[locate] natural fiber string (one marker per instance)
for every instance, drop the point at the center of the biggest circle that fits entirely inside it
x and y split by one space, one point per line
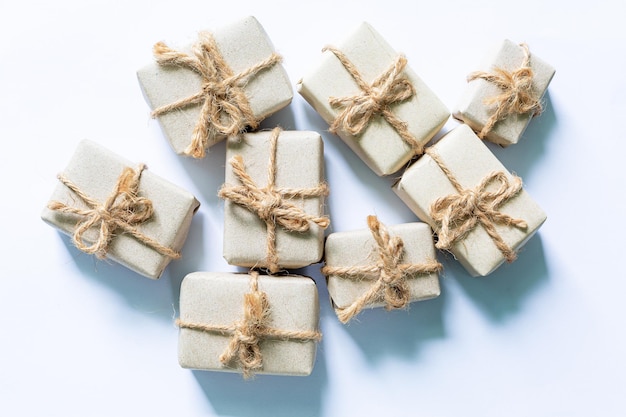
123 210
225 108
390 273
458 214
271 203
376 98
517 97
244 345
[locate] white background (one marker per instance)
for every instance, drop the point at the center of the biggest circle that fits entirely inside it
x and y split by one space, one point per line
542 336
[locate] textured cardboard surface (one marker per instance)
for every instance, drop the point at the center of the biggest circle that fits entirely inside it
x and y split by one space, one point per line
95 170
470 161
216 298
300 164
471 108
242 44
379 145
358 248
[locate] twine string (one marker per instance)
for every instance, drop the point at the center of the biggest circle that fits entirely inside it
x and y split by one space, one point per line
457 214
390 274
123 211
273 204
517 95
247 334
225 109
376 98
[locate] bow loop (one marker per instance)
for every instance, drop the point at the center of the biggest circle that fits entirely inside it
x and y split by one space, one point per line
267 203
225 109
391 274
455 215
376 98
123 210
517 96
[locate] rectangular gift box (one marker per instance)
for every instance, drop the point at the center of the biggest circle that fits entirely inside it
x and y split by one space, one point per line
216 299
470 161
300 164
379 145
472 109
358 248
95 170
242 44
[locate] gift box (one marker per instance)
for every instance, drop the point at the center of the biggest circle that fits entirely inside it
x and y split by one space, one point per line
274 199
478 209
380 266
226 81
373 101
503 96
248 323
119 210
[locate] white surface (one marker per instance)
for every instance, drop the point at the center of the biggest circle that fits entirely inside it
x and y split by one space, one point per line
543 336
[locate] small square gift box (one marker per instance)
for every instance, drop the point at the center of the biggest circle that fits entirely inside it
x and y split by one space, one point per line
119 210
274 200
478 209
503 96
248 323
369 96
224 83
381 266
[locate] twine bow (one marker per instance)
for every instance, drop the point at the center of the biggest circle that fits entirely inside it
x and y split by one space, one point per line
225 108
246 334
376 98
390 273
517 97
123 211
458 214
271 203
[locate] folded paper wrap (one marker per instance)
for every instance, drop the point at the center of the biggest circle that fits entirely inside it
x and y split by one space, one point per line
274 200
248 323
121 211
503 96
380 267
478 209
226 81
373 100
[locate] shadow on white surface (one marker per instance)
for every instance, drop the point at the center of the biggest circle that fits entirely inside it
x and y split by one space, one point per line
398 333
152 297
502 294
265 395
207 174
194 252
348 157
521 157
355 190
283 118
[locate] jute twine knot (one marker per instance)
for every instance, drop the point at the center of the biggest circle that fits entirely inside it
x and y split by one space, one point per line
273 204
225 108
268 204
388 88
389 273
123 211
457 214
247 334
517 97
